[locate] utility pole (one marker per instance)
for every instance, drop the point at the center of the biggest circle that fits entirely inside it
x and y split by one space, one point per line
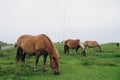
64 23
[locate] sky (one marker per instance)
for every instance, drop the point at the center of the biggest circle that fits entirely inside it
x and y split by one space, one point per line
61 19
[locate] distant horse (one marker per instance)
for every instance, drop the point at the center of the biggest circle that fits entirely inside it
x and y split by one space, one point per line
37 46
0 46
74 44
117 44
93 44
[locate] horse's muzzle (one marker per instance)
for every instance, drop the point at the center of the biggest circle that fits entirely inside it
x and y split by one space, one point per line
57 73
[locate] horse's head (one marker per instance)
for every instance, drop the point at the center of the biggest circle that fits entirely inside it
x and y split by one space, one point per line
84 52
55 65
100 47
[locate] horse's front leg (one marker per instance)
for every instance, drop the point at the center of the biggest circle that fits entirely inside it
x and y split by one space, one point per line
36 61
44 63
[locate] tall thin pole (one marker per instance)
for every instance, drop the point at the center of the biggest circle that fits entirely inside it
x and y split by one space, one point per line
64 24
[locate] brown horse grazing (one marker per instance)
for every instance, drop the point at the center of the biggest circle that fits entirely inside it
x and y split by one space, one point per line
93 44
37 46
74 44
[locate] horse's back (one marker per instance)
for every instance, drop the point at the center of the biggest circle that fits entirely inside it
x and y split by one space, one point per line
72 43
31 44
26 43
95 43
90 43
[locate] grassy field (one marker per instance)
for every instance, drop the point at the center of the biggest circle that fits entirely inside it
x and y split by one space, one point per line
95 66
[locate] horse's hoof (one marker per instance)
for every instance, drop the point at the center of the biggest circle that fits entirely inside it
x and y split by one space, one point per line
57 73
35 69
45 69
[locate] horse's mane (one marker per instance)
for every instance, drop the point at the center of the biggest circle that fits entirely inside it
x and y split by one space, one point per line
54 50
99 44
82 45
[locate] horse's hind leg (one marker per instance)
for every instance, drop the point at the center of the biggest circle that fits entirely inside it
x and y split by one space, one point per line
44 63
17 55
23 55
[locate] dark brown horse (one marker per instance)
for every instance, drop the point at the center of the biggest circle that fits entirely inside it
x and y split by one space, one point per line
117 44
37 46
74 44
0 46
93 44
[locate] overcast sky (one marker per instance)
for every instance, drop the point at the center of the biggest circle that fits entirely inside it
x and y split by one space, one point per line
61 19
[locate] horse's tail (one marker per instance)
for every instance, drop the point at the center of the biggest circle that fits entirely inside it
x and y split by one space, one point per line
65 48
19 53
15 45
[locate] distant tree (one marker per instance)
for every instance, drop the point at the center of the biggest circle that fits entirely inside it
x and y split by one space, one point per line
2 43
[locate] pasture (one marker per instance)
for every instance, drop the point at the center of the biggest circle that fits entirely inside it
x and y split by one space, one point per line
96 65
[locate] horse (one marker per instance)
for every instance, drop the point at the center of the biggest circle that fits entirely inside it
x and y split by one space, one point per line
38 45
117 44
74 44
93 44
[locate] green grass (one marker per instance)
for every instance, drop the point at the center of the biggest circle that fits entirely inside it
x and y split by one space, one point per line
95 66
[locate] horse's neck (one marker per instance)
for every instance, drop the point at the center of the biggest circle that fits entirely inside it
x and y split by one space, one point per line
82 46
99 45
